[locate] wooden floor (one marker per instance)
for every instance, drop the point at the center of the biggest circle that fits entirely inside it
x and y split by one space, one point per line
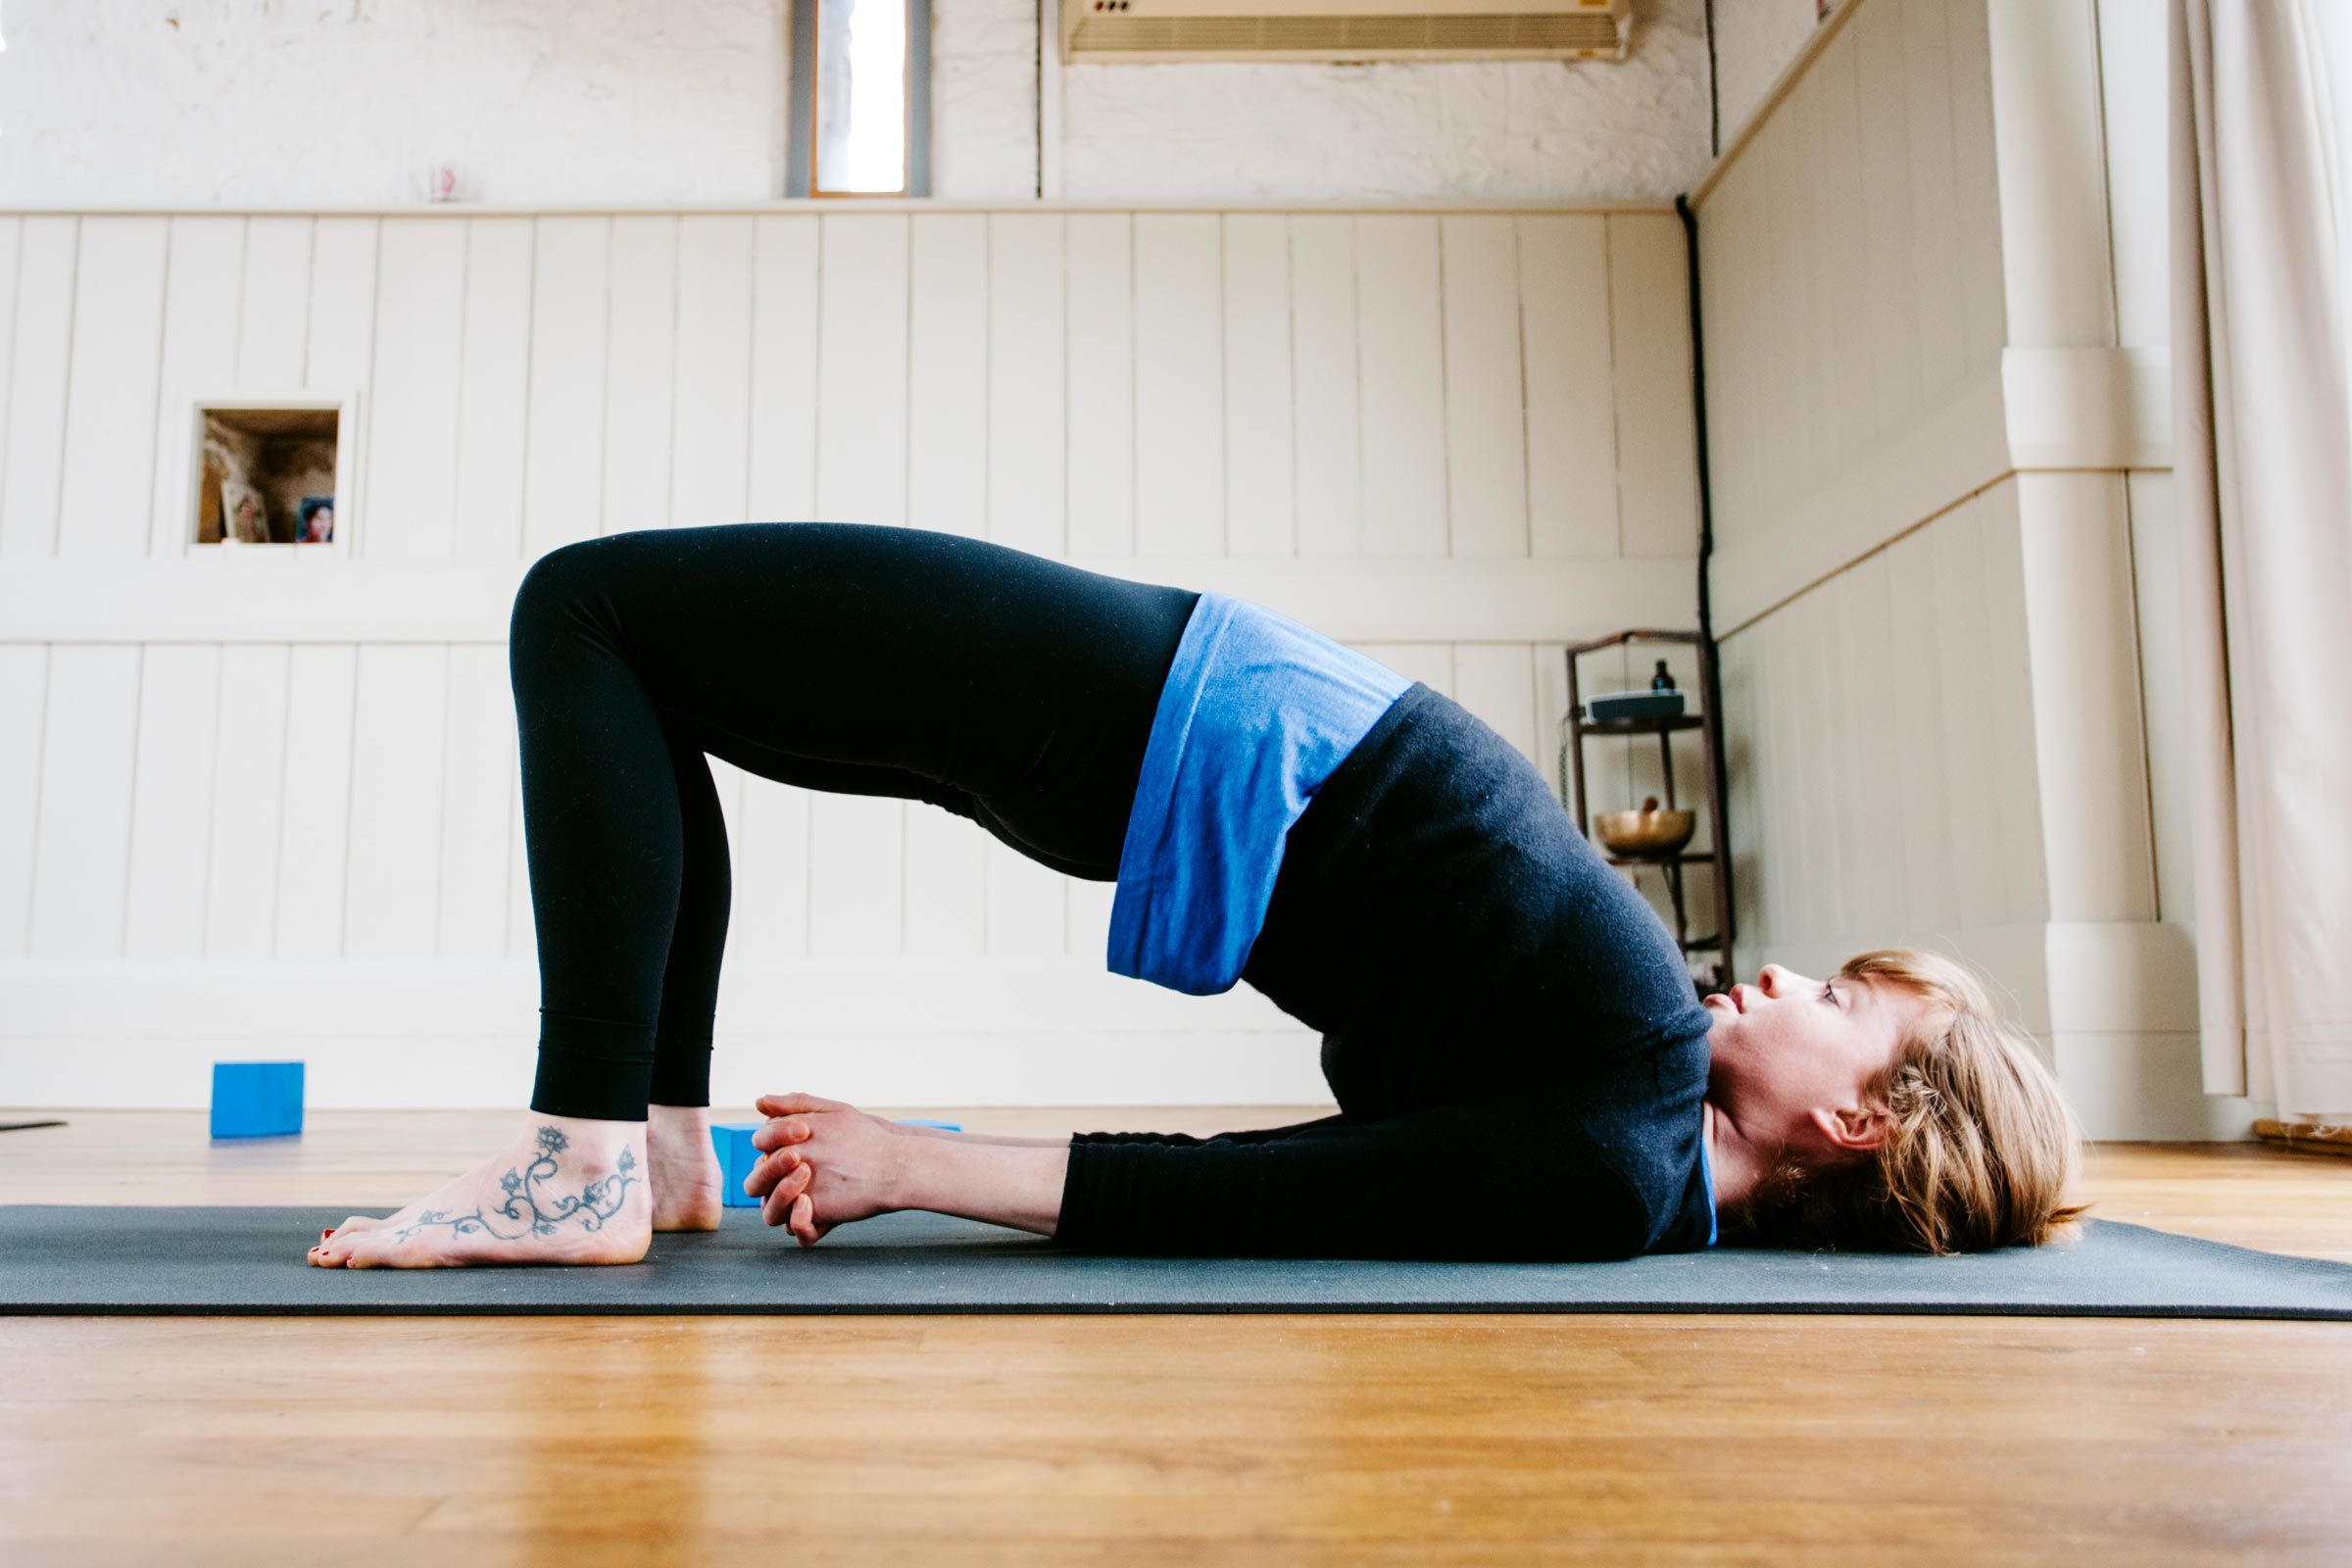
1144 1439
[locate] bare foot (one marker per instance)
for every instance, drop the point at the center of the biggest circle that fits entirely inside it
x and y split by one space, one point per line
564 1190
684 1168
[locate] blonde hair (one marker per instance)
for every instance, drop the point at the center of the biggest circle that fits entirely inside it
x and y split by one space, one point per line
1980 1150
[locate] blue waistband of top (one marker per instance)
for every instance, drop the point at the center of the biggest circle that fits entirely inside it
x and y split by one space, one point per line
1256 712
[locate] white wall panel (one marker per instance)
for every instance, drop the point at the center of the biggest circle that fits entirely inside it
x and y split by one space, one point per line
1486 414
314 818
202 283
1571 402
1027 378
12 241
1179 385
81 842
411 499
1325 368
172 800
474 787
710 463
1259 519
274 317
1400 363
562 485
309 789
1102 410
641 371
110 388
23 696
32 474
1656 444
248 825
492 395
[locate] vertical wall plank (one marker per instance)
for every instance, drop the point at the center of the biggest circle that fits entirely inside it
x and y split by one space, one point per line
310 859
768 923
111 390
946 886
248 792
710 443
1259 519
640 371
1972 719
1497 681
493 388
1847 225
1657 441
1430 663
273 314
1979 208
398 782
947 390
1889 295
1179 385
342 331
1936 258
1323 360
1401 361
1485 438
785 263
2016 766
413 425
33 477
1571 398
1025 382
1780 470
2156 580
1102 414
477 782
857 842
172 800
563 487
82 847
12 245
199 360
24 695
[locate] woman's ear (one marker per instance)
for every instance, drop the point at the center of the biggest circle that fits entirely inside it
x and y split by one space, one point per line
1855 1129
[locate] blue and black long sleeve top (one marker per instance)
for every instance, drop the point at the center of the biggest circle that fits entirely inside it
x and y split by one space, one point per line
1508 1028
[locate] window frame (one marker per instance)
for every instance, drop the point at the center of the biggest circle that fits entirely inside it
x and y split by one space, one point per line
800 162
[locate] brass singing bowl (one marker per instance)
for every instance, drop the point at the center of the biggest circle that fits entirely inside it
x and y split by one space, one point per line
1658 833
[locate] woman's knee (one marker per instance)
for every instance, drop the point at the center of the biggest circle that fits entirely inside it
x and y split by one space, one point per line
558 583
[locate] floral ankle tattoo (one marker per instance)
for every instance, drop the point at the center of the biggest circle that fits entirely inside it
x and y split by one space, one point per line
528 1211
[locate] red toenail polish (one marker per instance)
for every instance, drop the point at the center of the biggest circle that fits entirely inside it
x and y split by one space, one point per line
326 1235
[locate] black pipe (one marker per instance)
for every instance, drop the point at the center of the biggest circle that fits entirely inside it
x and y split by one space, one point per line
1706 553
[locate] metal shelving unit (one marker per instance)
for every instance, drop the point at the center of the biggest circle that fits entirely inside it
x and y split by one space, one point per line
1576 729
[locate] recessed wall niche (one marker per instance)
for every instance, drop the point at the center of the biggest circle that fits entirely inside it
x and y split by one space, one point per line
267 475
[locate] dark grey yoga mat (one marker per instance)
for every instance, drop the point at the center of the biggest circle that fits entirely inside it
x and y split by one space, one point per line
249 1260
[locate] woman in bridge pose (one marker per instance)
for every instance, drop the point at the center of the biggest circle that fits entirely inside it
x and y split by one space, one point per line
1521 1065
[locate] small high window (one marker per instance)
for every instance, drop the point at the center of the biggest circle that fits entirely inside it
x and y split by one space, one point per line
860 98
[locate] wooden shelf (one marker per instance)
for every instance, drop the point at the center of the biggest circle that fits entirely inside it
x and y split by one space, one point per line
1680 857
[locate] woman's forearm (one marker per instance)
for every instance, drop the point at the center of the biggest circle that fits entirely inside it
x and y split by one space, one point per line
982 1138
1000 1183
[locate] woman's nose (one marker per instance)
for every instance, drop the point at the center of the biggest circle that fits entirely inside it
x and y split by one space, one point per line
1768 979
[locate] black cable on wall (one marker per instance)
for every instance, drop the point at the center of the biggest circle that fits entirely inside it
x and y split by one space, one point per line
1706 552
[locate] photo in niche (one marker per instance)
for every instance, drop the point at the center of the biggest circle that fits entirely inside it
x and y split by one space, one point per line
317 524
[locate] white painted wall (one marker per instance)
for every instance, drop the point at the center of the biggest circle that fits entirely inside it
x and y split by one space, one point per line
269 798
186 103
1934 299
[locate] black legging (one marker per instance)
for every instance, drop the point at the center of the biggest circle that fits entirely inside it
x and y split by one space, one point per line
849 658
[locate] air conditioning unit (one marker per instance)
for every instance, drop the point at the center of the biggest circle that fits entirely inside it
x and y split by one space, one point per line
1133 32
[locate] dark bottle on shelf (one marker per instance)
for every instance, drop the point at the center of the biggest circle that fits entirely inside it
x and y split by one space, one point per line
1662 681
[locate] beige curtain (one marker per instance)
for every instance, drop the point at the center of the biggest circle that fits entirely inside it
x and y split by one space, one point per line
2262 476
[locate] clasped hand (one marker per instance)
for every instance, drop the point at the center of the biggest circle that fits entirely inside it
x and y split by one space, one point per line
824 1163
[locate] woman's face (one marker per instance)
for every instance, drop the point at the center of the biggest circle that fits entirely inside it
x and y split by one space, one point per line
1791 1055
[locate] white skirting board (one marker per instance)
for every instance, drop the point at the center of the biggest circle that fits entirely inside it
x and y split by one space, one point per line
390 1035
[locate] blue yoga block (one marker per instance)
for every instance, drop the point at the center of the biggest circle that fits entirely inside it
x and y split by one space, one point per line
942 1126
257 1099
732 1142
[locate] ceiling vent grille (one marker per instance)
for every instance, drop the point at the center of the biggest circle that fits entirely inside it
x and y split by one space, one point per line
1115 31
